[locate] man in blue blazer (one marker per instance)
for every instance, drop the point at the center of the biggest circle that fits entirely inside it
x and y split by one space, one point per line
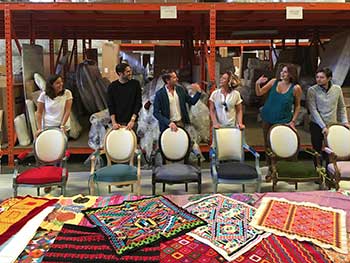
169 106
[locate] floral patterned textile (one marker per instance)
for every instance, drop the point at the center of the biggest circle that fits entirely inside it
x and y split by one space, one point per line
303 221
17 214
228 230
135 224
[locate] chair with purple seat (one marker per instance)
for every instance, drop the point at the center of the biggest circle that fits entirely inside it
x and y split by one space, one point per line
51 163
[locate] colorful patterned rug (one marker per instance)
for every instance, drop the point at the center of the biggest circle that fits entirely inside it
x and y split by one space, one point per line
135 224
68 210
228 230
78 244
15 216
273 249
303 221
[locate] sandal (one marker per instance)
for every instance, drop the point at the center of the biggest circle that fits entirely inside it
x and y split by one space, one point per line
47 189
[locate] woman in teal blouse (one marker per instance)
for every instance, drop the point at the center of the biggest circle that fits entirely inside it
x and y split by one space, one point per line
284 94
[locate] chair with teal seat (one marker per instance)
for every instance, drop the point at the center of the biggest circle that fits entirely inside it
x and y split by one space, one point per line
283 150
119 147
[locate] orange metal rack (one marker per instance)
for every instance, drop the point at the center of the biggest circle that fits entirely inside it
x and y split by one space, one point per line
204 22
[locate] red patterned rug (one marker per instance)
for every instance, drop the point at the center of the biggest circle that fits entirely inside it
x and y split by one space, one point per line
273 249
76 244
303 221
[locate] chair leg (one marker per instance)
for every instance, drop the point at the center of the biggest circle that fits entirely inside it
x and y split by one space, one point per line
132 187
215 185
186 187
199 187
138 187
163 187
109 189
38 191
243 188
153 188
296 186
258 187
14 190
63 189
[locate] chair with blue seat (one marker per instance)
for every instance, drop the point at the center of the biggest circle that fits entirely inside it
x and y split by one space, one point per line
227 159
175 149
51 163
338 149
283 150
120 148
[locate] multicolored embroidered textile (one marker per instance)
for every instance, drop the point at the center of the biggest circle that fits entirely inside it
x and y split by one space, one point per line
228 230
19 213
37 247
303 221
68 211
135 224
273 249
76 244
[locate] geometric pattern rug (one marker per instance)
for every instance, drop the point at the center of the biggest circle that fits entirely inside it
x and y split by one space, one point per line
227 230
273 249
76 244
323 226
136 224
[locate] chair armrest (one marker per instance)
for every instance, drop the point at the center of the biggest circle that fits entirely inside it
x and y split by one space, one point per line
251 150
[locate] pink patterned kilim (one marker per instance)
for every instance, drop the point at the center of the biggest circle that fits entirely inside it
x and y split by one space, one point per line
323 226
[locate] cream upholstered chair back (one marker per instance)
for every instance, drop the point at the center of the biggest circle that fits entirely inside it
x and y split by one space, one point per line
284 141
174 146
120 145
50 145
228 142
338 139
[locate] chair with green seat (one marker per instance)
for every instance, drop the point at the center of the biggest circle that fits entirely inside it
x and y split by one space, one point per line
119 147
283 150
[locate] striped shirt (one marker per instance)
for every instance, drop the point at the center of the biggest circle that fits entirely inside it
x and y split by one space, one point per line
326 106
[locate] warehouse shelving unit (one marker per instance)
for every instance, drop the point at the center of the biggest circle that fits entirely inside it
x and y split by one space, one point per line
205 23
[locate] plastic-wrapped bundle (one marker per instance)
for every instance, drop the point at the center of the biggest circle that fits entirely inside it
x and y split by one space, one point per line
147 130
99 121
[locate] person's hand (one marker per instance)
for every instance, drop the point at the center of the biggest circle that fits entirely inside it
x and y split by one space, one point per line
63 128
196 87
347 125
130 125
325 131
216 125
261 80
116 126
38 131
173 126
292 125
241 126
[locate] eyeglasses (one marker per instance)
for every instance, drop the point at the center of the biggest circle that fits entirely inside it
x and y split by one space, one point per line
225 105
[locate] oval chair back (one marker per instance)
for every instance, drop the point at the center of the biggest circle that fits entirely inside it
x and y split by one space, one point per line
338 139
284 141
50 146
228 142
174 146
120 146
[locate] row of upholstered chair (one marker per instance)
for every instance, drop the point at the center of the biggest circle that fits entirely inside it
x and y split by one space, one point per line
227 160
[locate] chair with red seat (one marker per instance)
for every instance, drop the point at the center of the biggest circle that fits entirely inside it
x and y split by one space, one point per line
51 163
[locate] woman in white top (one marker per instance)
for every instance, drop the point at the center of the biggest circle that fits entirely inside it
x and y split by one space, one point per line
225 103
54 105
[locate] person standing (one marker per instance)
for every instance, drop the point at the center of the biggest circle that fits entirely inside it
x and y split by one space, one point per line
170 102
54 105
124 98
225 104
326 105
283 102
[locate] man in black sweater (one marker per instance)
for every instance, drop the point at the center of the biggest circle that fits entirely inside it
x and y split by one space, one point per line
124 98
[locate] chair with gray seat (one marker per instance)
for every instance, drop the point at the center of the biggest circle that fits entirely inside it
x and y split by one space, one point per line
175 148
119 147
227 159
